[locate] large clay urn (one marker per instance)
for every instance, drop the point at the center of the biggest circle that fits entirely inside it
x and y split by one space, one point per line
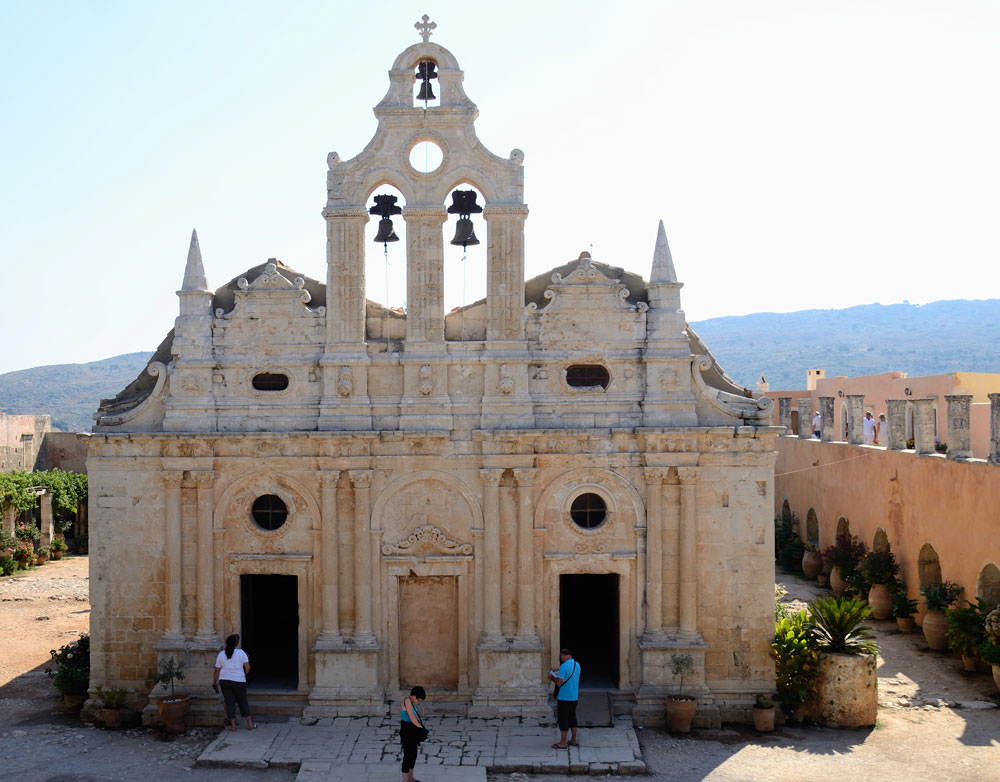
763 719
996 676
880 601
812 563
680 713
935 626
837 584
173 712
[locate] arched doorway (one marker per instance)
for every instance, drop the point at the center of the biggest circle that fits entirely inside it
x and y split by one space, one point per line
880 541
928 565
988 584
812 528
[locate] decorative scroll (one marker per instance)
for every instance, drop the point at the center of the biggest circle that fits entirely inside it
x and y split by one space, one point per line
427 536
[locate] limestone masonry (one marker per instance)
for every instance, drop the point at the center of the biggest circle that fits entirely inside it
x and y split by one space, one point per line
377 499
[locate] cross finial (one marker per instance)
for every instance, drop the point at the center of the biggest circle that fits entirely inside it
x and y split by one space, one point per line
424 27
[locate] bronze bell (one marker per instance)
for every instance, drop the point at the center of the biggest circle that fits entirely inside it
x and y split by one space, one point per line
385 232
464 233
426 93
426 72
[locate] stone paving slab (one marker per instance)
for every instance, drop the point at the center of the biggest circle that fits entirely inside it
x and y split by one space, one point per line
457 749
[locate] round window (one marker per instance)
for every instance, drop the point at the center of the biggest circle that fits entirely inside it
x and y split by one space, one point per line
588 510
269 511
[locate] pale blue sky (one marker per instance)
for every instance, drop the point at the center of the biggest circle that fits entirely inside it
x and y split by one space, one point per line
801 154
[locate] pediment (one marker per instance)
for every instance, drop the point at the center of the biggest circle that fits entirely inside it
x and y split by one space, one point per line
271 294
426 539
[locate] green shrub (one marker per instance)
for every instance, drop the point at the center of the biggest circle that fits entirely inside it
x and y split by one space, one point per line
845 555
836 623
796 658
879 567
111 698
902 606
7 565
938 595
967 627
71 671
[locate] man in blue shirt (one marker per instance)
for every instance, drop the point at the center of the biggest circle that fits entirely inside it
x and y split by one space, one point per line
568 680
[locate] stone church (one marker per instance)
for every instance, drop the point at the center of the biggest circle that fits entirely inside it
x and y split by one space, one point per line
376 499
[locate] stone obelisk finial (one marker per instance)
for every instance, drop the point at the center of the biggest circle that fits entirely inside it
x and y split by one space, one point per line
663 262
194 271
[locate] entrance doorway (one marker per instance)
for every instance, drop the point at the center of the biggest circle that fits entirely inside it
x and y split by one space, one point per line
588 626
269 608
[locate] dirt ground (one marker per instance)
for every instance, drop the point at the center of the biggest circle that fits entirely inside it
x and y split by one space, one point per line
935 723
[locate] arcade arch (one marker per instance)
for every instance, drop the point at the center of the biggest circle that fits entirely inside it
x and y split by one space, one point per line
881 541
988 584
928 566
812 528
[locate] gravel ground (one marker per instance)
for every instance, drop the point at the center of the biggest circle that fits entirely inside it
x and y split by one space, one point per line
935 723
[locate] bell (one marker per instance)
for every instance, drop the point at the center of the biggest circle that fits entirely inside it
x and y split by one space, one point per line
385 232
464 234
426 93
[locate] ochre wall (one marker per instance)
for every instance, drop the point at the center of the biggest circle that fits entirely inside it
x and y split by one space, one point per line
951 505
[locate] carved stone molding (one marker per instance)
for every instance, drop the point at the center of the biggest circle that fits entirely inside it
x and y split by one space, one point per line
525 476
490 476
426 538
345 382
329 477
426 382
360 479
173 479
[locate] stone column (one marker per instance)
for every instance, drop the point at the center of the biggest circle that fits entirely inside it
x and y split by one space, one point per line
856 408
363 635
785 413
895 416
654 553
424 273
526 632
827 433
345 274
923 426
45 520
688 590
172 480
959 428
670 524
330 566
994 457
504 270
805 418
9 519
491 559
206 635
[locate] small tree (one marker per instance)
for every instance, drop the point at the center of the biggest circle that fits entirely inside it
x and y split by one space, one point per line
169 671
681 665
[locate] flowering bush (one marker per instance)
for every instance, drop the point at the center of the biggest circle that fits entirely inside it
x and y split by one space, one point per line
845 555
938 595
71 674
27 532
24 554
992 626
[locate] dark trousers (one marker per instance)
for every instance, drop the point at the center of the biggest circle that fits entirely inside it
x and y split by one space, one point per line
566 714
235 693
410 742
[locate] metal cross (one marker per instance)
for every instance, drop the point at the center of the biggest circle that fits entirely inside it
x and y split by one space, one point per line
424 27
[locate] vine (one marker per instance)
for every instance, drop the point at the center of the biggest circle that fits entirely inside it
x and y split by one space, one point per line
68 490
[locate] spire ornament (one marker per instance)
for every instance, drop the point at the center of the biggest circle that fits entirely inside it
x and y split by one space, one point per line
194 270
424 27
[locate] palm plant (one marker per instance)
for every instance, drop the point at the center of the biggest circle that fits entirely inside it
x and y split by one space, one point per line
836 622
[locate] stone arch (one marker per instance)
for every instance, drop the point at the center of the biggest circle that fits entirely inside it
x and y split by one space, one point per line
988 583
843 526
262 482
465 175
928 565
564 487
845 421
881 540
387 176
786 509
460 488
812 528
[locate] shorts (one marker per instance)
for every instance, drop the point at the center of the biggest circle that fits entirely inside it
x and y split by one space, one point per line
566 714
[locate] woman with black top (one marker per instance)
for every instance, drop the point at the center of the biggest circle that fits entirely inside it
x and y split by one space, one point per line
411 730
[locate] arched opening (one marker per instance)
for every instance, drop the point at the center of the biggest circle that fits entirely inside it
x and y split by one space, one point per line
928 566
909 422
385 261
843 527
795 422
786 509
426 87
812 528
881 541
935 407
845 420
988 584
464 265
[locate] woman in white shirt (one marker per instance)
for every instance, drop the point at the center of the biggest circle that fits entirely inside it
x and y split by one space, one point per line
231 669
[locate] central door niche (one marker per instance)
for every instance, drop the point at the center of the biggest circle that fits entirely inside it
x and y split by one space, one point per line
269 611
428 631
588 626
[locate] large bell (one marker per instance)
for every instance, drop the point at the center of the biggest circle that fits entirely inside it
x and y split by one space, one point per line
426 72
426 93
385 232
464 233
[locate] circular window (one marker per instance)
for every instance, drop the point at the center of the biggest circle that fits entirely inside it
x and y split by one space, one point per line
426 156
269 511
588 511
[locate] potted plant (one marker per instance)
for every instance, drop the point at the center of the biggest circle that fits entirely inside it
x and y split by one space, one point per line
989 650
880 570
812 561
80 544
938 595
173 709
58 548
763 713
903 608
966 630
71 672
41 555
847 687
842 558
796 665
112 705
24 554
681 707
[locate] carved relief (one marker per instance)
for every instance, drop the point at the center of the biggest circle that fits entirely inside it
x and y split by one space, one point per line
668 377
426 538
189 383
345 382
589 547
426 384
506 382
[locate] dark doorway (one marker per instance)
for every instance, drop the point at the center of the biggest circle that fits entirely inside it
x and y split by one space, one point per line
269 608
588 626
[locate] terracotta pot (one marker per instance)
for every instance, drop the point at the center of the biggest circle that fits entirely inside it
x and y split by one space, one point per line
996 676
812 563
40 559
680 713
74 702
56 555
173 712
880 601
822 579
837 584
112 718
970 662
935 627
763 719
905 624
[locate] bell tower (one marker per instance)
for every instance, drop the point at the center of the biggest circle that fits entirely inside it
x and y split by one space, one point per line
404 121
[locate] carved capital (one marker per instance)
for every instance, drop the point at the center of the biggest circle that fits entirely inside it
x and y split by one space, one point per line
490 477
354 213
525 476
505 210
203 479
688 475
425 214
360 479
173 479
329 478
654 475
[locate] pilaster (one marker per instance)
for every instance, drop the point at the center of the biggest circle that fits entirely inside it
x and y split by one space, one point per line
896 417
527 634
491 557
856 407
827 431
654 559
424 273
172 481
363 635
329 569
505 271
805 418
206 636
959 426
923 426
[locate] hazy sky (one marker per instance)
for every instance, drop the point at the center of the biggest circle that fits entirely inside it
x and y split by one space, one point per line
801 154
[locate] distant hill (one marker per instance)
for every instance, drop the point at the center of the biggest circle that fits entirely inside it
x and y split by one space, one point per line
929 339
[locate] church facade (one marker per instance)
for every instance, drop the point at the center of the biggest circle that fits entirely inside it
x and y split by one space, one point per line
377 499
